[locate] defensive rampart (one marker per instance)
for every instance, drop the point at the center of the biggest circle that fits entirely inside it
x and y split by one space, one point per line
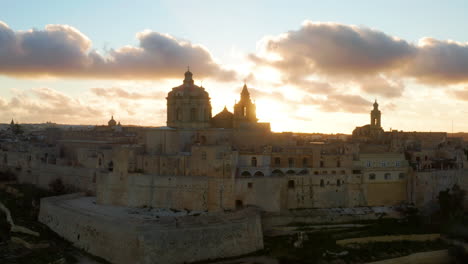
126 235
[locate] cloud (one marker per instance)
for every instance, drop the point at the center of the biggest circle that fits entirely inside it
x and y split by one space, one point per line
117 92
63 51
340 103
45 104
332 48
439 62
461 94
376 62
379 85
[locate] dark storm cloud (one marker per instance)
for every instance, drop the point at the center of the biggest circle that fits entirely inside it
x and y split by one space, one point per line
61 50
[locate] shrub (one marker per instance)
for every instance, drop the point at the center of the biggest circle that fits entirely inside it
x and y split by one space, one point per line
57 186
7 175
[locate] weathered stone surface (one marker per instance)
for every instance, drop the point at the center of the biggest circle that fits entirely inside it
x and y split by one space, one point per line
112 233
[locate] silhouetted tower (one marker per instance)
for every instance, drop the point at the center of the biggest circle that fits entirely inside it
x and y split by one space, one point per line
244 110
375 116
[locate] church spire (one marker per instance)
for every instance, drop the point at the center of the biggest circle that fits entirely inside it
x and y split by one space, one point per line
245 92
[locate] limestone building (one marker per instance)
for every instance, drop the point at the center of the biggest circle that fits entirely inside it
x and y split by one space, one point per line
231 160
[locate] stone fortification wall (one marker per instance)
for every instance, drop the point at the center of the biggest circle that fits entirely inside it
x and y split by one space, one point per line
427 185
274 194
181 192
79 178
120 235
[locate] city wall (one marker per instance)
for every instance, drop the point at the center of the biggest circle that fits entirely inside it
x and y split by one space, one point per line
428 184
119 238
181 192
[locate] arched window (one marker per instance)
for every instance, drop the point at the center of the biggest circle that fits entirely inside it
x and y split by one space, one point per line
316 172
193 114
338 183
333 172
244 111
304 162
291 184
99 162
372 176
246 174
290 172
291 162
277 173
324 172
253 162
239 204
304 172
259 174
179 114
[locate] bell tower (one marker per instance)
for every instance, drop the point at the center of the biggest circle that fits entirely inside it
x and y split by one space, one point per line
375 115
244 110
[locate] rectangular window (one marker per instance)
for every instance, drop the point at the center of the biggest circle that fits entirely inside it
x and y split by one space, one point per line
277 161
369 164
383 164
398 164
249 185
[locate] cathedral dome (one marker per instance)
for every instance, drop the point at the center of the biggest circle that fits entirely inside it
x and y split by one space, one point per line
112 122
188 105
188 88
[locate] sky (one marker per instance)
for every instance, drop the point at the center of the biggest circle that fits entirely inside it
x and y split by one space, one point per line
311 66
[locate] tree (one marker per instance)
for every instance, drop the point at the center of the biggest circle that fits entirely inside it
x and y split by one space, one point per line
451 204
17 129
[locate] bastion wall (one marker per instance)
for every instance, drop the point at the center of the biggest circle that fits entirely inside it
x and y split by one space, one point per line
121 238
